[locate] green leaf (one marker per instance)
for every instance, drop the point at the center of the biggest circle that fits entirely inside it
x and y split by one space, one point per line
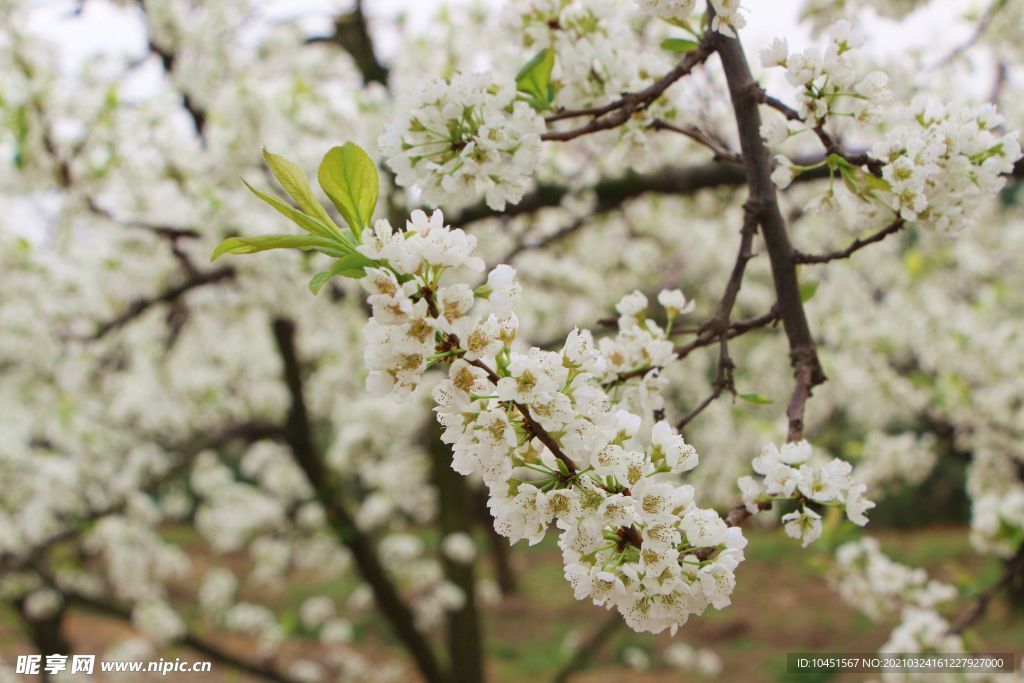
808 290
251 245
296 184
353 266
679 45
349 177
303 220
755 398
534 79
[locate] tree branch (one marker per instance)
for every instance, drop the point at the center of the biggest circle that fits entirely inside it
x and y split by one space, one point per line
853 247
139 306
299 436
189 640
168 58
1014 569
352 34
455 500
616 113
745 95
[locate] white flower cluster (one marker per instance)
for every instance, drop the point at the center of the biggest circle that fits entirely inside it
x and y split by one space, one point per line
943 165
600 54
465 138
876 585
922 630
684 656
997 522
727 12
542 433
789 474
669 9
829 82
408 312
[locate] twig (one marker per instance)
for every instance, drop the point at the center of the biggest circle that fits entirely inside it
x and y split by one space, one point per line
853 247
616 113
532 427
721 153
169 295
589 648
979 30
1014 568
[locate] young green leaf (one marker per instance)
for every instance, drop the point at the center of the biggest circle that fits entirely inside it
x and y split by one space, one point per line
808 290
303 220
680 45
534 80
353 265
295 183
349 177
251 245
756 399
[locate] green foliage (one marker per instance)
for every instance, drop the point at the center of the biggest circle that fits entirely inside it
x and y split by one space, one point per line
534 80
348 176
251 245
295 183
352 265
679 45
755 398
808 290
301 219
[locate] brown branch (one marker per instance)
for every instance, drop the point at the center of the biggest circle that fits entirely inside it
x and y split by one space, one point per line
299 437
190 640
706 338
352 34
853 247
979 30
139 306
168 59
455 502
170 232
572 228
616 113
612 193
745 95
721 153
589 648
532 427
830 144
719 324
1014 569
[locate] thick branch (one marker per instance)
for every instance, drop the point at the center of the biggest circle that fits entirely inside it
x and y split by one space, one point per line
455 500
612 193
745 95
352 34
299 436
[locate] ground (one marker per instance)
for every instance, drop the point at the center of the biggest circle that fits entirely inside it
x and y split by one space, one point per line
782 604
